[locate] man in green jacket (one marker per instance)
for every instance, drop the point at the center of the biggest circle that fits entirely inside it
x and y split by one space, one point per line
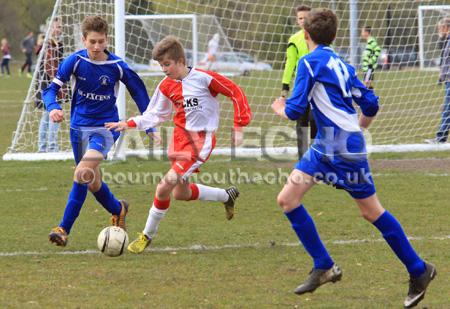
296 49
370 56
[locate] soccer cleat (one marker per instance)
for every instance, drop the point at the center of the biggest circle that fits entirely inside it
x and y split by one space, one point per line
58 236
318 277
138 245
233 194
418 286
119 220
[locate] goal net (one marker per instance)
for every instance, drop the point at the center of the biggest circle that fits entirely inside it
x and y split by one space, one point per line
253 38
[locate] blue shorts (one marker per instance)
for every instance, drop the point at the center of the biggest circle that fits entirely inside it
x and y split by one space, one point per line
350 173
96 138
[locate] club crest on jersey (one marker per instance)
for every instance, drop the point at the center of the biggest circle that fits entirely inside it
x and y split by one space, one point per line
104 80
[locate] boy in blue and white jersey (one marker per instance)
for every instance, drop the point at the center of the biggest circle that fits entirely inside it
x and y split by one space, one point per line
338 156
95 74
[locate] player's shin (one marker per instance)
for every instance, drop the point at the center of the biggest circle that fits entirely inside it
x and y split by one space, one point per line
105 197
395 236
206 193
304 227
75 201
155 215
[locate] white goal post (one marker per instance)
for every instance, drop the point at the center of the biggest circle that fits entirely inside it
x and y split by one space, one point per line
253 40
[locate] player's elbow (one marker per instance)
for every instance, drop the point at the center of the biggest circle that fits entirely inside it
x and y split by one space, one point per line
242 122
291 113
371 110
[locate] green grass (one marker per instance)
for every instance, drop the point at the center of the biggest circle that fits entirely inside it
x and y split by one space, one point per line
251 277
257 275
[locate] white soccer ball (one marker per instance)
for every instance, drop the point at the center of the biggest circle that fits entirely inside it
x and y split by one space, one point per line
112 241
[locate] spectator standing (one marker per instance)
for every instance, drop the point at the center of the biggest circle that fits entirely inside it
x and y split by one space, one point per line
27 45
6 57
53 55
444 78
370 56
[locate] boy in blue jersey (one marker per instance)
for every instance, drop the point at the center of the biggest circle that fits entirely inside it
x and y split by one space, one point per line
338 156
95 74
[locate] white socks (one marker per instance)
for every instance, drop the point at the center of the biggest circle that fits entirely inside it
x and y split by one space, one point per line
154 217
206 193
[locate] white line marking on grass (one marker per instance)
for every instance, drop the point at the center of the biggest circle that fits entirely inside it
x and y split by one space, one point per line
199 247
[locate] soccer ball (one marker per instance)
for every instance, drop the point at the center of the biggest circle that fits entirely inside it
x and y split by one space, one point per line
112 240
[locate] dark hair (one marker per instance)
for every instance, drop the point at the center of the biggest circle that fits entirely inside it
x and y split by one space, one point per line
171 47
302 8
94 24
321 25
368 29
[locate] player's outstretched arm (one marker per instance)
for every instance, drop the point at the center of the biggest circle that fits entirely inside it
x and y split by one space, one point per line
49 95
242 111
117 126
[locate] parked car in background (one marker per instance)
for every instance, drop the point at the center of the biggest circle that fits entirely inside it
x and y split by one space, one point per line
230 62
236 62
226 62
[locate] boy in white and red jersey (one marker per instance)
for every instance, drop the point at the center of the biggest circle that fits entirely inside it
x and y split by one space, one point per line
192 93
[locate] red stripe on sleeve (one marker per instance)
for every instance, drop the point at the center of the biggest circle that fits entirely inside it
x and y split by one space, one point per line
223 85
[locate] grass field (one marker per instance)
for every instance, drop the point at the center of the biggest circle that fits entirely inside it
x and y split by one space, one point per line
199 260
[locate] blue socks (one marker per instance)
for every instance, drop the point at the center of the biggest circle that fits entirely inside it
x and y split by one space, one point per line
391 229
107 200
304 227
395 236
76 199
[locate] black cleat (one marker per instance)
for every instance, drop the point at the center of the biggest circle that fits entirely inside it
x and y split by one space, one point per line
233 194
318 277
418 286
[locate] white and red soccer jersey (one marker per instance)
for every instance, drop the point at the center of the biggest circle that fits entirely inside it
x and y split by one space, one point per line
195 102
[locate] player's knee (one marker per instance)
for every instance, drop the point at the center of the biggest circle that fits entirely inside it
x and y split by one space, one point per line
84 175
283 202
367 215
94 186
171 178
162 191
180 195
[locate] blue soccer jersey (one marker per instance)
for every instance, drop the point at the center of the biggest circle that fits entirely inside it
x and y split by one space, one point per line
330 85
95 85
338 153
